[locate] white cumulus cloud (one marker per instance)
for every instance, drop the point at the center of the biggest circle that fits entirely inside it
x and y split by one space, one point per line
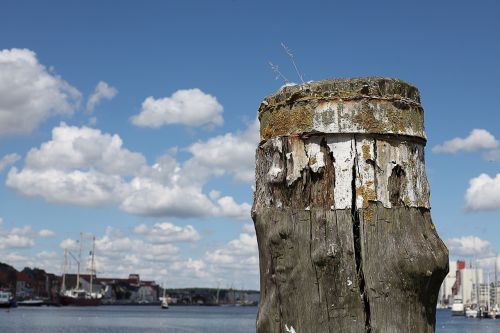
29 93
483 193
16 238
249 228
48 255
69 244
85 167
80 166
228 153
488 263
492 155
236 254
84 148
478 139
229 208
46 233
190 107
237 260
147 197
102 91
86 189
167 233
8 160
468 246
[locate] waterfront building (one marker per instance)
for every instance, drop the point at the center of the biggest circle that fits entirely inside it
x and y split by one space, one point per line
445 297
494 294
23 287
470 276
484 294
460 284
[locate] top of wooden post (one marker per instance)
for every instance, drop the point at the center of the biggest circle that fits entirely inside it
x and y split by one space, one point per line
371 105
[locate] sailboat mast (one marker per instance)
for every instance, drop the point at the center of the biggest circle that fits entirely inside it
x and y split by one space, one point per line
488 292
78 263
495 284
477 283
65 268
218 290
92 266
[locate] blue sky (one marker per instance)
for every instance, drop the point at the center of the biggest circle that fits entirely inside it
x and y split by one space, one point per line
217 54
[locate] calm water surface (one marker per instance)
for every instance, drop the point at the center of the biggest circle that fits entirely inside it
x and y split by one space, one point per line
144 319
128 319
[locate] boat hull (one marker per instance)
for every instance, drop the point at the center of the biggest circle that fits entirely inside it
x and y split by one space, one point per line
65 300
471 314
30 303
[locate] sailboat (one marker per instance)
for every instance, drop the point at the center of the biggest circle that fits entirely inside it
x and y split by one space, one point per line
494 312
164 300
77 295
474 310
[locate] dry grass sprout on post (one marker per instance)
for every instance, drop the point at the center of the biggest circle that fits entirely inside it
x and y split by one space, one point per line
279 74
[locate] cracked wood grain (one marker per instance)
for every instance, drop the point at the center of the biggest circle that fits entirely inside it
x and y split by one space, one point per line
346 240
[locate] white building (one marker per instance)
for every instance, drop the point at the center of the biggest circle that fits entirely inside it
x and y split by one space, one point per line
469 280
460 283
446 290
494 294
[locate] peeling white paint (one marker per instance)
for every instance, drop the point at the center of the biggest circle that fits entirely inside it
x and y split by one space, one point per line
375 160
297 161
289 330
277 144
316 156
416 188
274 172
374 163
341 147
349 282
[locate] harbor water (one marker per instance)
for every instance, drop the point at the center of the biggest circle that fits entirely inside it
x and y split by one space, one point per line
145 319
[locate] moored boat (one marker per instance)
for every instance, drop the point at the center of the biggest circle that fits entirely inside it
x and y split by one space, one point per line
164 300
6 300
471 312
494 312
457 309
31 302
77 296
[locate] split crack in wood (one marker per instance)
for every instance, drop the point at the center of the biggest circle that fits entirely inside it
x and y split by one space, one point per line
358 253
335 202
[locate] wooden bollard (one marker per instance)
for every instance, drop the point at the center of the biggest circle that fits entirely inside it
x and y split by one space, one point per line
341 210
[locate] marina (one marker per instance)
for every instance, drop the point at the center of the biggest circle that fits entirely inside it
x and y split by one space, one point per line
470 291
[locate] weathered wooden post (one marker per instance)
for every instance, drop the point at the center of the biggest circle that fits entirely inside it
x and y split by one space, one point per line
341 210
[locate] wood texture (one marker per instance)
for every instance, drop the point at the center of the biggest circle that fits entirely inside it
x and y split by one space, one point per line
346 240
